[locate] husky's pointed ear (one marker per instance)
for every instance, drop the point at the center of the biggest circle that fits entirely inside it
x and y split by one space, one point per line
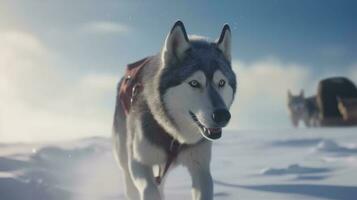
302 93
224 42
176 43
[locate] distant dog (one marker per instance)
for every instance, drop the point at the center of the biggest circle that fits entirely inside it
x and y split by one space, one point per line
304 109
178 103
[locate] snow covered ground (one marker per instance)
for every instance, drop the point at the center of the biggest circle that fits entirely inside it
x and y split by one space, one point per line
265 164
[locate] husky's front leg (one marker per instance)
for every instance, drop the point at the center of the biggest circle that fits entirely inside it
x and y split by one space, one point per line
197 160
202 185
143 178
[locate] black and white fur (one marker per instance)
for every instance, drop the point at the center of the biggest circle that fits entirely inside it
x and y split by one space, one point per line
188 89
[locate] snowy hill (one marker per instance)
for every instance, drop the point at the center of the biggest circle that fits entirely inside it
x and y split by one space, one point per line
280 164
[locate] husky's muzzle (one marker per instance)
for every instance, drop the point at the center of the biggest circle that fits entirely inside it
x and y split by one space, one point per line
211 133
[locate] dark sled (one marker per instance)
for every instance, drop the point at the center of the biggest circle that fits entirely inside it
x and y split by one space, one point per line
333 93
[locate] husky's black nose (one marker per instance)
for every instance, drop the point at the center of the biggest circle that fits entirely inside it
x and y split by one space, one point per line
221 116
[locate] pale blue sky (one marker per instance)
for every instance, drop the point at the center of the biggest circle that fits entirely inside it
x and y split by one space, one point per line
89 42
320 32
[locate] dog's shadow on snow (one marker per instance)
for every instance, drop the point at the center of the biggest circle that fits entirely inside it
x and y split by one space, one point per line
328 146
336 192
300 142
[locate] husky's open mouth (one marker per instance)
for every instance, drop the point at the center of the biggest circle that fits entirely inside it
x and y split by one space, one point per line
208 133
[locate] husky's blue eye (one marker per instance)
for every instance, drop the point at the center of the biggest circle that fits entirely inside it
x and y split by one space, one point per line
221 83
194 84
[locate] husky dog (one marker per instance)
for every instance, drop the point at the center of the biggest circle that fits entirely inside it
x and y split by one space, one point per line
301 108
187 90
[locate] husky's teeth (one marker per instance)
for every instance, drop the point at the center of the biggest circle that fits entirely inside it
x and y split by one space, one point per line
206 130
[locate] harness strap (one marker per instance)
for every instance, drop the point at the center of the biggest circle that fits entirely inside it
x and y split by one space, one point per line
174 150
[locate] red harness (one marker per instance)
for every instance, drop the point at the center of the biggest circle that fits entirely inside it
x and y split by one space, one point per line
128 91
131 84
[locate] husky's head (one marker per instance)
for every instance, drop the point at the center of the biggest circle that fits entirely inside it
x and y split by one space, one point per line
296 103
197 84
